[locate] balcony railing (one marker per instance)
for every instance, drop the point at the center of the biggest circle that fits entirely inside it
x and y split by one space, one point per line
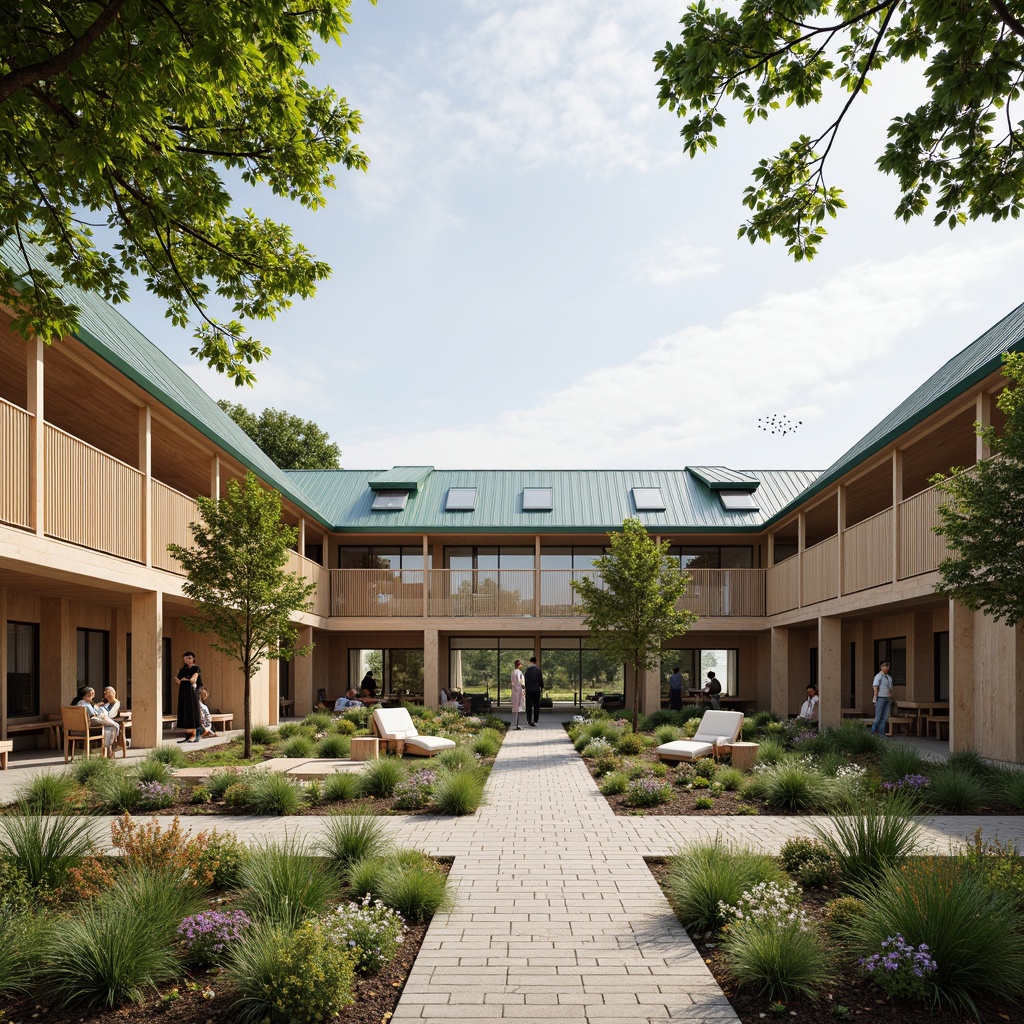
518 593
15 428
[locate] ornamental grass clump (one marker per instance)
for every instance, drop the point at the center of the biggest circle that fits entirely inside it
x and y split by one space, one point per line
956 790
263 735
903 972
370 930
334 746
205 937
614 783
972 932
648 792
298 746
23 938
863 845
46 793
118 792
458 793
152 770
455 758
666 734
792 786
406 881
43 849
487 742
219 781
279 882
898 761
711 873
340 786
347 838
285 975
273 793
381 776
318 721
172 756
87 771
599 747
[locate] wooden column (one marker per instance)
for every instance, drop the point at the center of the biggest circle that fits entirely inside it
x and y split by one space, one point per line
780 671
146 469
897 497
147 668
801 545
961 677
840 538
273 688
426 577
304 675
3 662
302 536
536 576
982 415
215 478
37 438
431 677
830 674
650 695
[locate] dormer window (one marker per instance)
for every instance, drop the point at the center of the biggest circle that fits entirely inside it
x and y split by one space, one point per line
738 501
389 501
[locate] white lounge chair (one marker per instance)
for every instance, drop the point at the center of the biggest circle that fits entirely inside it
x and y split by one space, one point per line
716 729
396 728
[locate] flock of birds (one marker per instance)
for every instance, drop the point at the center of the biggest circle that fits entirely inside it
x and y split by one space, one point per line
778 423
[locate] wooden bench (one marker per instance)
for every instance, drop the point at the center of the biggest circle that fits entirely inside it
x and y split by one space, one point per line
938 721
223 719
6 746
905 722
51 729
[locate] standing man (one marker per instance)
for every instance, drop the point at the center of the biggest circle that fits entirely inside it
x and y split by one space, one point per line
881 687
534 683
675 690
518 693
712 690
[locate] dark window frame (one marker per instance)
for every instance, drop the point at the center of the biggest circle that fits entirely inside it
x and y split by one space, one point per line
33 673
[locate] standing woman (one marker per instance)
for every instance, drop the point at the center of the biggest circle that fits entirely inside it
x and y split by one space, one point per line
189 681
518 683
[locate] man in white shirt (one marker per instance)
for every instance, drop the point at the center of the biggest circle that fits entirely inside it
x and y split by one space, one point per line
809 708
881 687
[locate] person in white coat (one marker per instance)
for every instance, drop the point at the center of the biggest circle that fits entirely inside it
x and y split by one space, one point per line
518 693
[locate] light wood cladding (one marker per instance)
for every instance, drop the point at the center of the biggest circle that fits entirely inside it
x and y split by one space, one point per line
316 574
172 513
92 499
15 503
868 561
783 585
921 550
724 592
821 571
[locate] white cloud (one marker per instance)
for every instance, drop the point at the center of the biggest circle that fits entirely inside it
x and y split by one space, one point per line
693 391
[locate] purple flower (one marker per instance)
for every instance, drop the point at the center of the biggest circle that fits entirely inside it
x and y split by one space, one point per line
207 935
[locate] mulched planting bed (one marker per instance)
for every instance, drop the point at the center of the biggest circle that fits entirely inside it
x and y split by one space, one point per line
375 999
683 802
860 998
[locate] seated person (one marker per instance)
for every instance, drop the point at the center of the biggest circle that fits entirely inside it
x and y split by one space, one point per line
350 700
86 696
204 714
110 703
809 708
450 699
368 687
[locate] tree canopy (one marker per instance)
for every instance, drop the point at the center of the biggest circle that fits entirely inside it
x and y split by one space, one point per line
235 575
138 117
983 518
630 609
290 441
960 149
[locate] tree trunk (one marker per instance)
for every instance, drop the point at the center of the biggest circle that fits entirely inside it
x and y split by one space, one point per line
247 712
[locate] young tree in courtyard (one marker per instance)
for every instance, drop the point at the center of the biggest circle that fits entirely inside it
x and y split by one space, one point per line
290 441
983 518
631 609
235 575
960 147
144 118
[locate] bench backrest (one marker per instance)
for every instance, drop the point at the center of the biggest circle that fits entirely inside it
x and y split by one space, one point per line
716 724
394 723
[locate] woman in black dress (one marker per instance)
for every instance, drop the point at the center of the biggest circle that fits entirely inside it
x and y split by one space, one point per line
189 681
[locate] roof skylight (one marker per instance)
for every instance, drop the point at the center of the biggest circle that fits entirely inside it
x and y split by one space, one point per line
538 499
738 501
461 499
648 499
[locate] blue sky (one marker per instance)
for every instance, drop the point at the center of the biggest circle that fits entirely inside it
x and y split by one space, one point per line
532 273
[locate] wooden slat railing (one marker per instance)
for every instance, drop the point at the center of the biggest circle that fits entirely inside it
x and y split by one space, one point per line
506 593
15 427
172 513
374 593
92 499
921 550
783 585
315 573
725 592
867 554
821 571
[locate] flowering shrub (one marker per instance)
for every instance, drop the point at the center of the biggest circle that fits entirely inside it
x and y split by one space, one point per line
150 845
647 792
206 936
597 747
799 738
371 931
771 903
900 970
908 782
414 792
154 795
852 771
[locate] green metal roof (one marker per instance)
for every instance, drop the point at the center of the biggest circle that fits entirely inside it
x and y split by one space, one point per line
103 330
401 478
721 478
585 501
957 376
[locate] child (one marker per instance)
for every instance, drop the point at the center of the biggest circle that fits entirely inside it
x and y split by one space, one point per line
204 715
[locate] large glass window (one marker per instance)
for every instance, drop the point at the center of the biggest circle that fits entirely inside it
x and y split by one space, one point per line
490 580
397 672
93 658
573 669
483 664
893 650
365 557
696 556
22 669
694 665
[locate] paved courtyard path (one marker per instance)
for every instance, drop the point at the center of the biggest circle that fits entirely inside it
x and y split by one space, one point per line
557 915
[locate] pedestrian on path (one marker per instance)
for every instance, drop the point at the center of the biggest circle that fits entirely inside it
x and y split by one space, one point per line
881 688
534 683
518 683
675 690
190 678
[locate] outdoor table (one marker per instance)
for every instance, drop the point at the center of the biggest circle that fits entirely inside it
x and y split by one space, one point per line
743 755
924 708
